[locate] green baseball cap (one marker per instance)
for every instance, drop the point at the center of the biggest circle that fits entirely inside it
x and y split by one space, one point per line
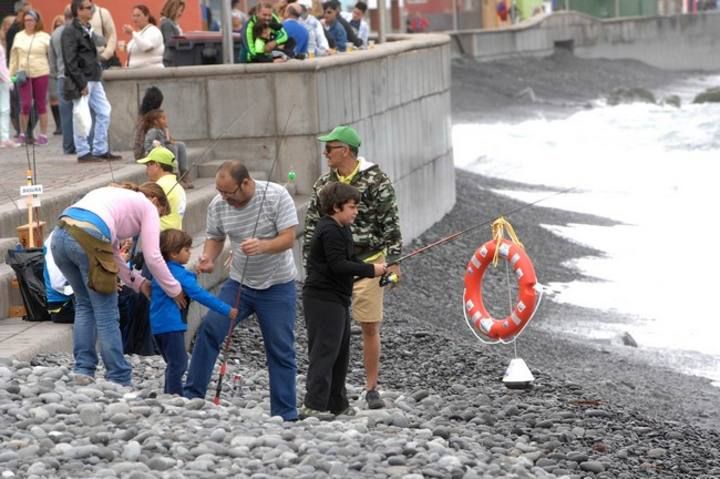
159 154
344 134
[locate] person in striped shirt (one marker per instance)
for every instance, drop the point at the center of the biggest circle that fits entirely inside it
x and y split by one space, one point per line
259 218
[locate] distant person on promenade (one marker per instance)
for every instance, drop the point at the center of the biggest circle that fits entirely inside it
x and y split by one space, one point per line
146 47
169 18
83 78
86 248
6 85
152 100
264 14
336 34
296 30
376 235
16 26
331 268
57 68
417 23
103 25
30 66
356 19
238 16
54 98
317 42
167 321
157 133
260 219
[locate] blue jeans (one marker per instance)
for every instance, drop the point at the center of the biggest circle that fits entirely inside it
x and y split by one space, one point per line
97 319
100 106
172 348
275 310
66 118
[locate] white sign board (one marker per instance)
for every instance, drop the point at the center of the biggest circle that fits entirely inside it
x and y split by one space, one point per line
28 190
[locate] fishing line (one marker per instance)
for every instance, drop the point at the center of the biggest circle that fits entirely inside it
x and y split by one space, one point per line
454 236
228 337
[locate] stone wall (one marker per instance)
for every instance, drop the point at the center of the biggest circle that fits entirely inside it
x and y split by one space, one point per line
397 95
677 42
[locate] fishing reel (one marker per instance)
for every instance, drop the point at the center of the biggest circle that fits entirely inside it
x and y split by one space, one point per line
389 278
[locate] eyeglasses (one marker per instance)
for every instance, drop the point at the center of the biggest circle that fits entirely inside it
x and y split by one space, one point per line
329 148
83 7
228 193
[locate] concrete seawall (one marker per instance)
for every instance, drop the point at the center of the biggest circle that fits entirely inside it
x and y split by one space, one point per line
677 42
397 95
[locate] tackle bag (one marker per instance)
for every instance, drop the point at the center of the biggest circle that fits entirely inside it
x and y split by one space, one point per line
28 266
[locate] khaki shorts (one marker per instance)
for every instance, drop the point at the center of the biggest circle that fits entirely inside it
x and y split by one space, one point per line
367 299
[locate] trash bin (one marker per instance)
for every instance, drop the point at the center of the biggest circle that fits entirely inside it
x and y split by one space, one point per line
200 48
28 267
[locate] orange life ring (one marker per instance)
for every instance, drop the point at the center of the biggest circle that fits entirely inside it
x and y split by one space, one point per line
503 330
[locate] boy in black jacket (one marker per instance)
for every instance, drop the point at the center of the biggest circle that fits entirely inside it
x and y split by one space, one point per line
331 266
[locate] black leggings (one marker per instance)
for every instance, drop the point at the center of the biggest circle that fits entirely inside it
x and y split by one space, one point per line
328 330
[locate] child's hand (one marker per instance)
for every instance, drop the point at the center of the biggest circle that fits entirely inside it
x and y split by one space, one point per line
380 269
233 314
156 143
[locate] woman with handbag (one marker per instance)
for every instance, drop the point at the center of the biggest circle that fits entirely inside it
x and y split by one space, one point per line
146 48
169 17
30 66
86 247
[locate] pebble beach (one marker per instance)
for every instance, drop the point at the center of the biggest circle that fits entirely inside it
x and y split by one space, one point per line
594 410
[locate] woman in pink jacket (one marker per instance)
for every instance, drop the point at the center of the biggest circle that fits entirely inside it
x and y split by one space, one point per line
86 248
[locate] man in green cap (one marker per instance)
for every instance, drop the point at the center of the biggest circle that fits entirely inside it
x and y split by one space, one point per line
160 167
376 235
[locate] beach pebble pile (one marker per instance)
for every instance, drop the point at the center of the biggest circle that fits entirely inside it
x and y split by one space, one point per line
448 415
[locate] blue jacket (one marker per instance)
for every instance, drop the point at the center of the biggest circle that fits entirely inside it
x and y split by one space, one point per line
165 316
337 33
297 31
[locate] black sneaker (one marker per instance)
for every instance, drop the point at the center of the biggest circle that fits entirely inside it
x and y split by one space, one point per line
88 158
109 156
373 400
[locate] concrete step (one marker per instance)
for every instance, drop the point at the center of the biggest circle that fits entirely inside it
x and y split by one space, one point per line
5 245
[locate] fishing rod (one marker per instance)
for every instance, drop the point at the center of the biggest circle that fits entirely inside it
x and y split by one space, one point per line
231 326
393 278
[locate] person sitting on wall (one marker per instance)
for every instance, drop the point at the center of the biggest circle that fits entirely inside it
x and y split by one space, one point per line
317 42
296 30
356 20
336 34
264 38
264 14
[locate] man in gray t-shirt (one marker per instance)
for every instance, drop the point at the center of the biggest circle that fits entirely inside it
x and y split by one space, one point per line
262 279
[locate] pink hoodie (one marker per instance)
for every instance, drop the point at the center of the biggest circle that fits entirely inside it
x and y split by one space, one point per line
128 214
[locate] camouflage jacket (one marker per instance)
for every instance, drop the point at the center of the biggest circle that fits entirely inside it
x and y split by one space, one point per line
377 226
